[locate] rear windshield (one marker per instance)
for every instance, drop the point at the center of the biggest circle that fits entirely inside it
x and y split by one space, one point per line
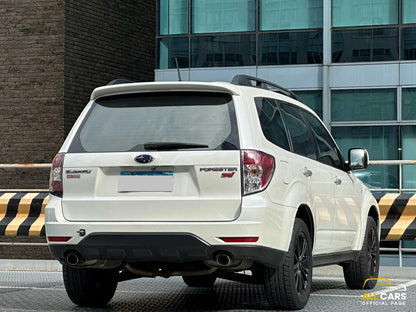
158 121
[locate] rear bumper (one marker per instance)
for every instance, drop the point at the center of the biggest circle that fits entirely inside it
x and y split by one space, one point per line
161 247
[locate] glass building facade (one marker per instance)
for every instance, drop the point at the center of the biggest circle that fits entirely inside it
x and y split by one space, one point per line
352 61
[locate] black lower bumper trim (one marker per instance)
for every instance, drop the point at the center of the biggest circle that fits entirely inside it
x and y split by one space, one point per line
166 247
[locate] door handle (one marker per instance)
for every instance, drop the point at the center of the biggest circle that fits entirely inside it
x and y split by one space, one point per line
307 173
338 181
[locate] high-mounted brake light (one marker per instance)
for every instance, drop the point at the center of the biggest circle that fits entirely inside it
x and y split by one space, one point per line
55 180
258 168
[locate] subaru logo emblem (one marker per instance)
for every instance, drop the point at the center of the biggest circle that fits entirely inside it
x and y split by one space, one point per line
144 159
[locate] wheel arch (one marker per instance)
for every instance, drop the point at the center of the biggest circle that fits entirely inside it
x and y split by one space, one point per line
304 213
373 212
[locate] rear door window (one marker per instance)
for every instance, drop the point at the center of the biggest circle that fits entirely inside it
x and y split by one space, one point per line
159 121
328 152
299 133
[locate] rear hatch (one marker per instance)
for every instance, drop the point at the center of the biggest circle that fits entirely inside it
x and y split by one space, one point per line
158 156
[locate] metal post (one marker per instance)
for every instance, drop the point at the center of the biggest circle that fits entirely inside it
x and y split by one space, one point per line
400 254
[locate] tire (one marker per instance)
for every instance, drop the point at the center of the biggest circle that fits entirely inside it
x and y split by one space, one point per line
367 266
289 285
200 280
89 287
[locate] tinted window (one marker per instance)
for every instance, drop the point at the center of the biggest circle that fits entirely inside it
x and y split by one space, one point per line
221 51
293 14
139 122
365 45
363 105
173 17
171 48
290 48
327 150
302 141
409 43
271 122
223 16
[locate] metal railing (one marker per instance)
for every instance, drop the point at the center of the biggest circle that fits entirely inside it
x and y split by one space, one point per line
399 163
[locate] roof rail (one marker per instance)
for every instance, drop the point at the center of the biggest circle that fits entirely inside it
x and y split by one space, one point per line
245 80
119 81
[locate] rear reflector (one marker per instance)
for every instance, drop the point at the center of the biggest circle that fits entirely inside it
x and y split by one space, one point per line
59 238
239 239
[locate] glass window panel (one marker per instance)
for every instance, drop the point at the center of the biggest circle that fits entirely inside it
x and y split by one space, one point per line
409 11
220 51
173 17
409 152
301 138
169 48
381 143
365 45
312 99
363 105
290 48
271 122
290 14
223 16
364 12
409 43
327 149
409 104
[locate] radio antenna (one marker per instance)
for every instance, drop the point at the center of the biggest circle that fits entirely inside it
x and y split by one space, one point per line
177 68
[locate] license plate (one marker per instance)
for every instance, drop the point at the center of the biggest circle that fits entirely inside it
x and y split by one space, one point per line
139 181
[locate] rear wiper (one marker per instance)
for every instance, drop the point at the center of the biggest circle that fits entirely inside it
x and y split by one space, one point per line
164 146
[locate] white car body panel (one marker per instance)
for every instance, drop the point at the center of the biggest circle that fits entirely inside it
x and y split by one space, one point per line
201 202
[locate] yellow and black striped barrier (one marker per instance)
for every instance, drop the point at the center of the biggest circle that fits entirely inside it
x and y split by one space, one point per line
397 215
23 214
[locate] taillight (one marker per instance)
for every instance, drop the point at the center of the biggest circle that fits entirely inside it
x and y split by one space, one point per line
258 169
55 180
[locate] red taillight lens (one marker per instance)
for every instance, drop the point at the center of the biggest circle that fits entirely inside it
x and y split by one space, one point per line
239 239
55 180
258 168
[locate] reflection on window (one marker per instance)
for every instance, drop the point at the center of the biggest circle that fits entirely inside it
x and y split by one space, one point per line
271 122
173 17
409 9
364 12
409 152
302 141
220 51
363 105
327 150
409 104
290 14
290 48
365 45
313 99
409 43
381 143
223 16
169 48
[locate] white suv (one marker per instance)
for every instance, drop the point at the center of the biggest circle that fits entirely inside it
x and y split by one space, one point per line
202 179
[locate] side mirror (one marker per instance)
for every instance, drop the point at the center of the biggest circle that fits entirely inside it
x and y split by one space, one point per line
358 158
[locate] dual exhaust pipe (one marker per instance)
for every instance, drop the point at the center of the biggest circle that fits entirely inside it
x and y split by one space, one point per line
221 260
